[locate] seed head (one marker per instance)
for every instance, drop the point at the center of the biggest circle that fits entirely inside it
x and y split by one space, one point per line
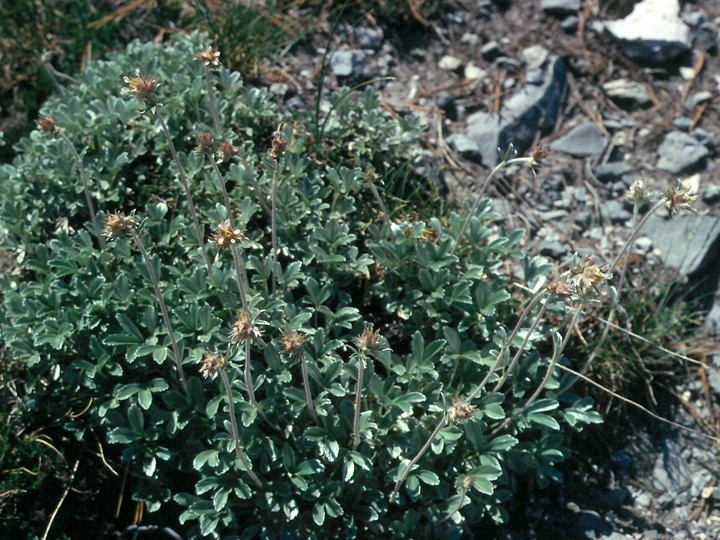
208 57
48 125
212 363
278 145
145 89
461 410
292 344
228 151
226 235
677 199
118 225
205 144
368 341
587 275
243 328
637 192
538 155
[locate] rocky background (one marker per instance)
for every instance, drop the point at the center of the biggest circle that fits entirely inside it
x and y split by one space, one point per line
617 91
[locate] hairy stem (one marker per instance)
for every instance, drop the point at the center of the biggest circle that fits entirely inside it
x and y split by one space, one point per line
211 101
306 384
358 396
248 375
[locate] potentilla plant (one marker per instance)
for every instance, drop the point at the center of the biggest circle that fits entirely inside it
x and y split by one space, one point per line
264 351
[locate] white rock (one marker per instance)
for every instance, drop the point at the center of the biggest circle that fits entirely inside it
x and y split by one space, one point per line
449 62
472 72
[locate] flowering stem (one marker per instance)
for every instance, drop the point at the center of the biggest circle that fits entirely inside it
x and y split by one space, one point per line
84 180
500 166
273 227
163 307
306 384
248 375
358 396
188 196
417 457
550 370
233 425
211 101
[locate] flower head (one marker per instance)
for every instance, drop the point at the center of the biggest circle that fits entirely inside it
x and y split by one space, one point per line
292 344
145 89
118 225
586 275
226 235
48 125
212 363
537 157
228 151
279 144
461 410
205 144
678 198
244 328
208 57
368 341
637 192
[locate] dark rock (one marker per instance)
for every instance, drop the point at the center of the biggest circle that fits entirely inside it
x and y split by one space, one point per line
560 7
653 32
581 141
671 473
446 103
491 50
532 109
588 524
680 152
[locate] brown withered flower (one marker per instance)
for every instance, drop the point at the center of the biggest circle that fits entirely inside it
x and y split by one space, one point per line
205 144
244 328
279 144
228 151
537 156
637 193
461 410
587 275
212 363
292 344
369 341
118 225
48 125
208 57
227 235
143 88
677 199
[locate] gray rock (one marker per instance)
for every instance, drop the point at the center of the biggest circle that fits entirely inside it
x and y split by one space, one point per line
671 473
685 242
348 63
570 24
626 92
711 194
683 122
369 38
614 212
704 137
581 141
560 7
643 500
651 534
696 99
552 249
680 152
533 109
449 63
612 171
617 536
653 32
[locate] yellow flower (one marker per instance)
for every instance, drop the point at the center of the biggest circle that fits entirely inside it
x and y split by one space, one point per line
226 235
208 57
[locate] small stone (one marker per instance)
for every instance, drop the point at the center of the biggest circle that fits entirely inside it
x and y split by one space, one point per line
552 249
703 137
449 63
683 122
582 141
624 91
470 39
369 38
643 500
696 99
570 24
711 194
643 244
446 103
680 152
615 212
560 7
348 63
534 56
612 171
472 72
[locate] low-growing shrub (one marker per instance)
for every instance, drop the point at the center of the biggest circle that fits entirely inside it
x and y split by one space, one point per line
317 364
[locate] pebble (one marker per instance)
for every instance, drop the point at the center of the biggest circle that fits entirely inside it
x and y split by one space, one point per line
570 24
347 63
369 38
612 171
449 63
615 212
560 7
680 152
472 72
491 50
582 141
697 98
626 92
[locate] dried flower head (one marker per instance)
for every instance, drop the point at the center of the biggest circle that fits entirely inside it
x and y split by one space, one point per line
205 144
637 192
292 344
244 328
208 57
561 288
537 157
228 151
48 125
678 198
227 235
369 341
279 144
587 275
118 225
461 410
145 89
212 363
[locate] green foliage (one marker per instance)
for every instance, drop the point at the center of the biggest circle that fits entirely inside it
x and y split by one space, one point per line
87 324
